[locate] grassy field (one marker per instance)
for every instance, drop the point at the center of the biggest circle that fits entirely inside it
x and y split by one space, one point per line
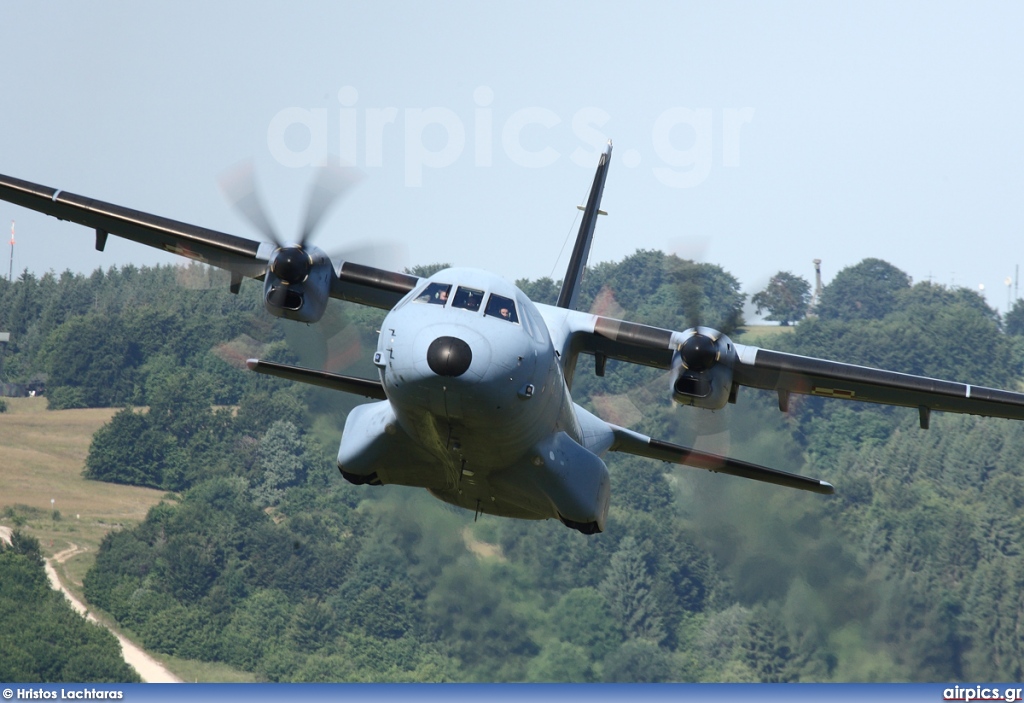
758 335
42 454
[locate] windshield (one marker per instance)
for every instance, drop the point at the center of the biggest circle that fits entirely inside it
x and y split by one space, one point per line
468 298
435 293
502 307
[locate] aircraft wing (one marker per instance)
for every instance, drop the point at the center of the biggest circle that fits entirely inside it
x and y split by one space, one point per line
632 442
237 254
242 257
336 382
791 373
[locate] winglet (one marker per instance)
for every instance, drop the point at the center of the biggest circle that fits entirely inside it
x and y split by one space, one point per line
581 251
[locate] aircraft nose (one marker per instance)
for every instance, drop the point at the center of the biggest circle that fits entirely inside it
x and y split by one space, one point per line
449 356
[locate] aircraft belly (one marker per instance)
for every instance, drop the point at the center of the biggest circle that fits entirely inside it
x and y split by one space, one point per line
557 478
502 437
375 443
494 431
453 405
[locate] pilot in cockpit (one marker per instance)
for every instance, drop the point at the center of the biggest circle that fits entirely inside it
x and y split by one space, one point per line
435 293
502 307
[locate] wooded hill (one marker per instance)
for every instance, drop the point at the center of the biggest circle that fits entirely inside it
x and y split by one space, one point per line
43 639
269 561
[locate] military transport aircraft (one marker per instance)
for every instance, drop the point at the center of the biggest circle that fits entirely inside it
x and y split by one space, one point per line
474 390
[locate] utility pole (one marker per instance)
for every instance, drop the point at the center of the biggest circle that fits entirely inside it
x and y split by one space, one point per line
5 339
817 283
10 269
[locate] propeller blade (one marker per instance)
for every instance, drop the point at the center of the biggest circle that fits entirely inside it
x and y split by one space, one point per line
331 183
333 344
239 186
392 256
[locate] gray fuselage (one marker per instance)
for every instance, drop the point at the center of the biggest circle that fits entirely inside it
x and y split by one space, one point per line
478 410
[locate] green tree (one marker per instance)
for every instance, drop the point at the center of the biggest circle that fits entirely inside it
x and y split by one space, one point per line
667 291
786 298
43 639
282 463
767 648
627 588
561 662
473 611
865 291
639 661
542 290
93 353
1014 320
256 629
583 617
426 270
129 450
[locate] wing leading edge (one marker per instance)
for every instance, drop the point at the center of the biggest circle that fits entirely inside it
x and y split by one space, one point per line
237 254
791 373
244 258
337 382
631 442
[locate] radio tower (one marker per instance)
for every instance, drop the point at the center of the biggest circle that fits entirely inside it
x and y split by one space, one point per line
10 268
817 284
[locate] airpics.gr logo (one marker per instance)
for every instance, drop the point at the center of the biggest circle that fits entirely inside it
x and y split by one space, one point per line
981 693
682 138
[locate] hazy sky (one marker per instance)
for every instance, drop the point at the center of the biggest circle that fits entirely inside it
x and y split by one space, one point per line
757 136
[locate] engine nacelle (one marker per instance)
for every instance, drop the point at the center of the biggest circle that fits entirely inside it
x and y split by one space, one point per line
297 285
704 362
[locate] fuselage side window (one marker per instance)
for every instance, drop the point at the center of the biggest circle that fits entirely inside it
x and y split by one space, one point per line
436 293
500 306
468 298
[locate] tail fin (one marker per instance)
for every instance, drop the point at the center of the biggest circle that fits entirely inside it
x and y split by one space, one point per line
581 251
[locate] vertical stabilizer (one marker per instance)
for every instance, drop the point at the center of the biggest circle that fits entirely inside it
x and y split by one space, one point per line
581 251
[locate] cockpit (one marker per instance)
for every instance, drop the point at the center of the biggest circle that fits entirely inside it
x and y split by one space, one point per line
471 299
435 293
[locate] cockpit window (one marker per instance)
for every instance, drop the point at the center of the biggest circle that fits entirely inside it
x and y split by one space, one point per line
436 293
500 306
468 298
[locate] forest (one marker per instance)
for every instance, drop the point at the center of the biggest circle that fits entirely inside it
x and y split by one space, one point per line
264 558
43 639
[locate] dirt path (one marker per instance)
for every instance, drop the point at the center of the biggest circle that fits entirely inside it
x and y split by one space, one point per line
61 557
149 669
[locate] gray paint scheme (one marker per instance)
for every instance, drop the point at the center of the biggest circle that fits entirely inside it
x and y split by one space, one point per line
504 436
